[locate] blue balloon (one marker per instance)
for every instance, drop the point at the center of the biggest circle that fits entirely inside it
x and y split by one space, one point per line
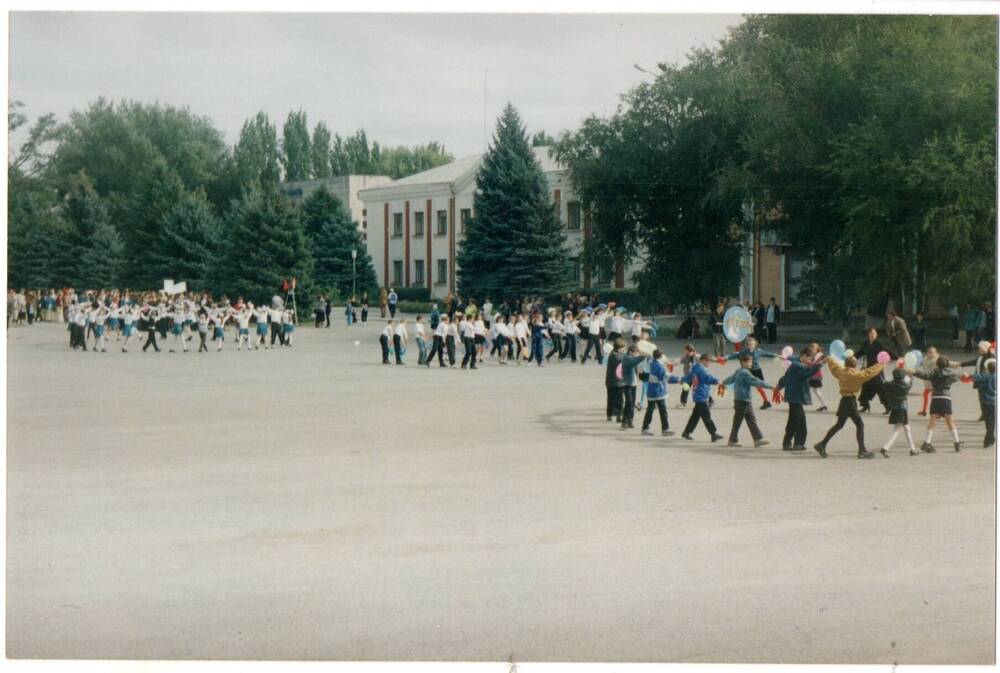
837 349
736 324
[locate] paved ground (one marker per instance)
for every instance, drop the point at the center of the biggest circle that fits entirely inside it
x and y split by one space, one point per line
314 504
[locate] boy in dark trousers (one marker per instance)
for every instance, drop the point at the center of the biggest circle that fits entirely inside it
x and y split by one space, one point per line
743 382
795 384
986 384
851 380
629 364
613 383
656 394
703 382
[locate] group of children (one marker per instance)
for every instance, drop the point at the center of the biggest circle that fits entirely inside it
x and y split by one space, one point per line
537 337
802 378
100 317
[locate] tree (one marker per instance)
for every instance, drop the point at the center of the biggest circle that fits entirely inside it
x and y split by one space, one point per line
320 151
94 243
264 245
188 244
333 235
542 139
256 154
296 157
156 194
515 245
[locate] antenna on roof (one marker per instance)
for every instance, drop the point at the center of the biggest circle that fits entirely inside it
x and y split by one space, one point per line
486 75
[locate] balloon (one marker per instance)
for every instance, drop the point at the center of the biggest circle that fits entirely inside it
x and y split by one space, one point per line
849 353
736 324
608 347
883 358
913 359
787 352
619 373
837 349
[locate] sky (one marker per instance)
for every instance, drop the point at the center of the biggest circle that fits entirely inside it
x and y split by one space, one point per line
405 78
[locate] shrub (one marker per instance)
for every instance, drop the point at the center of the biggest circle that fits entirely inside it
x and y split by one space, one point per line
413 294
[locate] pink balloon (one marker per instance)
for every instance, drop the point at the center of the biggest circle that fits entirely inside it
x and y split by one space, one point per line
883 358
787 352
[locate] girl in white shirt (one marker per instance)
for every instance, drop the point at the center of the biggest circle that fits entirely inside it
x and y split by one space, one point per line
555 328
521 338
479 335
570 330
421 336
261 315
399 340
220 318
451 336
129 316
243 320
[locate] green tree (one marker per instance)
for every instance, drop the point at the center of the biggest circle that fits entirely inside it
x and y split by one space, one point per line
94 243
296 157
320 151
542 139
264 245
256 154
188 244
333 235
515 245
159 190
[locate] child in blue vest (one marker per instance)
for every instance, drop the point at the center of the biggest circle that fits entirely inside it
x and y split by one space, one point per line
986 384
701 382
755 355
743 381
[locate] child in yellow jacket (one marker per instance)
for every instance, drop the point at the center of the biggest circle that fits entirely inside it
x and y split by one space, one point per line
850 379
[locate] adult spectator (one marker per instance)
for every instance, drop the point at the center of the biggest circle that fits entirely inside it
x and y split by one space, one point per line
771 317
953 315
382 301
319 310
759 322
327 307
718 338
989 331
392 299
971 326
895 330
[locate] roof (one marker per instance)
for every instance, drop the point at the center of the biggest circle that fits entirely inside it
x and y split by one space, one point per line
462 169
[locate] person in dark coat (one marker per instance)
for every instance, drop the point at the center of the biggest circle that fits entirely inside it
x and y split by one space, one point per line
613 383
795 384
868 351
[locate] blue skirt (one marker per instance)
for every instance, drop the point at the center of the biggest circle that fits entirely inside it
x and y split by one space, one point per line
288 328
177 328
220 333
113 323
262 328
129 330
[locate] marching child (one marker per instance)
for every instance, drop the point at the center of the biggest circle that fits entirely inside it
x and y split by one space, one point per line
243 320
450 339
612 383
755 355
816 382
219 319
570 332
656 394
688 360
260 314
796 383
384 339
927 366
742 381
986 384
438 345
202 331
538 334
629 364
941 378
421 336
702 382
288 326
895 392
129 317
399 340
851 380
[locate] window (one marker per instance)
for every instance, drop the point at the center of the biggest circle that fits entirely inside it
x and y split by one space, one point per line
573 215
364 212
464 215
418 272
418 223
442 228
397 224
603 275
442 272
574 271
397 272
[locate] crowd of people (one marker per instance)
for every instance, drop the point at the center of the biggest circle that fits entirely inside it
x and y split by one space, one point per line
95 317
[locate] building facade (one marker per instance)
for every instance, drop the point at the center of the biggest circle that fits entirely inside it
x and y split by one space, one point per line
344 187
416 224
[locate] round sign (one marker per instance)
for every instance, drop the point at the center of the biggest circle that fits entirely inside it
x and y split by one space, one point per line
736 324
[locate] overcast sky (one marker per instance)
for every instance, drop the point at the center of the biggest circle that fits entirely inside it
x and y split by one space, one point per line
406 79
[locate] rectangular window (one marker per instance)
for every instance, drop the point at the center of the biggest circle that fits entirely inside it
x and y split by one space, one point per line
603 275
442 272
442 220
574 271
464 215
397 224
397 272
573 215
418 224
418 272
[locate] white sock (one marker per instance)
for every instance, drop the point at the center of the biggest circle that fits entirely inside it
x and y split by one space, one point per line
954 433
819 395
930 436
909 437
892 438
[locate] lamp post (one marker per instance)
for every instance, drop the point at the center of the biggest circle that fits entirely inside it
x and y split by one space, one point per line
354 265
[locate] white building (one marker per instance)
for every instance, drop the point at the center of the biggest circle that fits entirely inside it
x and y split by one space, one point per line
413 224
344 187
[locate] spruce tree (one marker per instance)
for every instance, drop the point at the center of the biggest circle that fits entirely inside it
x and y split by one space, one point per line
264 245
156 194
515 244
94 244
189 243
333 235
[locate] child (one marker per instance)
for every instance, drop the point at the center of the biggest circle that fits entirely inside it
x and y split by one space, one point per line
449 341
796 383
261 316
384 339
629 364
755 355
437 347
896 392
941 379
288 327
613 384
851 380
243 320
421 336
129 316
816 382
202 331
688 360
556 329
467 332
521 338
570 332
742 381
930 357
399 340
986 384
702 387
538 334
656 394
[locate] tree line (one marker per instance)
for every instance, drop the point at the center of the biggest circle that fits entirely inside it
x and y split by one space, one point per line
127 194
866 142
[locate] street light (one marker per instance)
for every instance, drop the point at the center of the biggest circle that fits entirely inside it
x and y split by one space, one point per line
354 265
